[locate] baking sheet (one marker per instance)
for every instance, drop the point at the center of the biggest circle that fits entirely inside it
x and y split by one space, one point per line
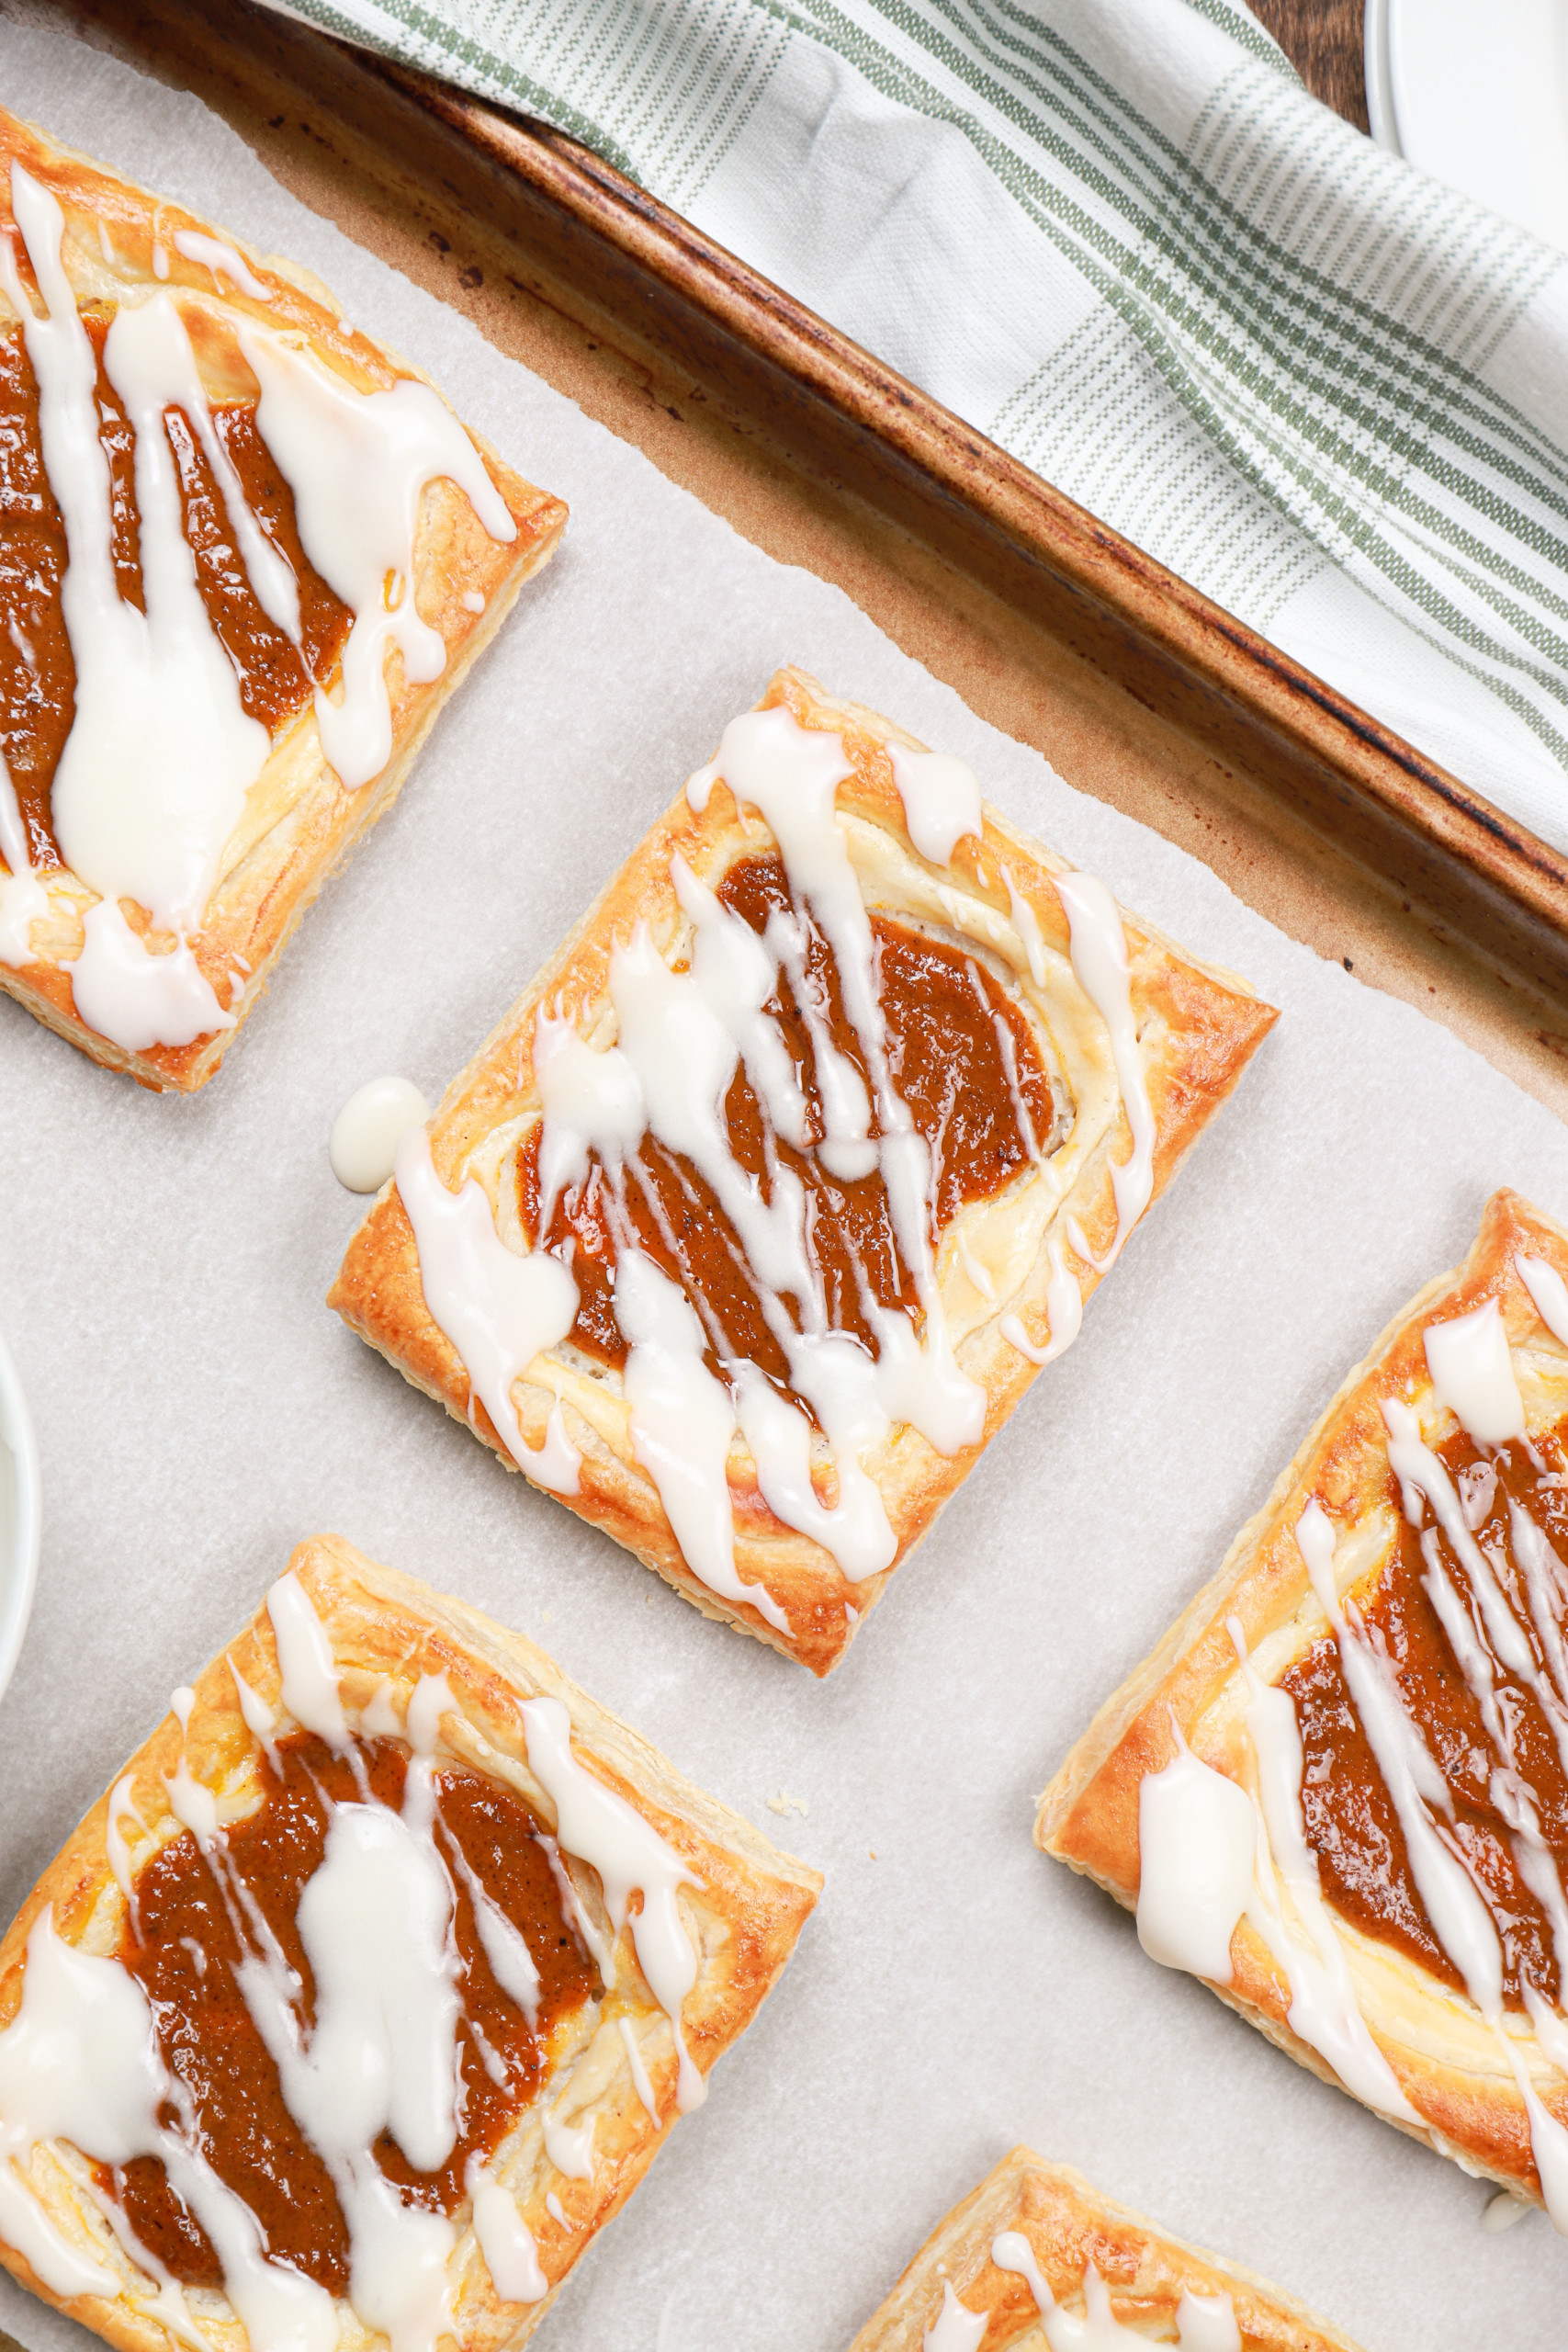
161 1268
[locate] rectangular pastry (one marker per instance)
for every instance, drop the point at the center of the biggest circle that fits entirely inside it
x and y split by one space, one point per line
756 1216
1035 2260
1338 1787
370 1991
246 552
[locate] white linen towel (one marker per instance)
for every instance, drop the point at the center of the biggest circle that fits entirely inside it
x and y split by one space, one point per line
1120 238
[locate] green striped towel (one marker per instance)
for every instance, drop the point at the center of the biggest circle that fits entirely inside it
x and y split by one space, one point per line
1119 237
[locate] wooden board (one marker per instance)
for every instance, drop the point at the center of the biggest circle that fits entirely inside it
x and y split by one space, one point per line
1052 626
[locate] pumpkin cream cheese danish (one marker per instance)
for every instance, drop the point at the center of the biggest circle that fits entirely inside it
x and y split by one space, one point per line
754 1219
1338 1789
247 553
370 1991
1035 2260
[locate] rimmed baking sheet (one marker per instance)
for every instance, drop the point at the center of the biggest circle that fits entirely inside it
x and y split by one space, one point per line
198 1410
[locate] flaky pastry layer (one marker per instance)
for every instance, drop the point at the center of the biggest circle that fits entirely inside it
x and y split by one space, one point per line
1444 2058
387 1630
1068 2226
1196 1029
121 245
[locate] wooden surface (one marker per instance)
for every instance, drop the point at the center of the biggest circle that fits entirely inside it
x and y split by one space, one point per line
1323 39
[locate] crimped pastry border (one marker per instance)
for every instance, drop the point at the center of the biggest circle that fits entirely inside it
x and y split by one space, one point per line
1069 2224
1198 1028
386 1626
1088 1817
299 819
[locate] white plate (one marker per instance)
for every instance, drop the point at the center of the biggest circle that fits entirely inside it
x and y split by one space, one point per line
1476 92
21 1517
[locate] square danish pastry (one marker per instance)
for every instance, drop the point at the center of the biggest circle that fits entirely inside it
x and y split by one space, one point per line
1035 2260
371 1989
754 1219
1338 1789
247 553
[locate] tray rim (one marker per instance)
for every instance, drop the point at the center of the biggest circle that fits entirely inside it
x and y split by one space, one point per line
1393 780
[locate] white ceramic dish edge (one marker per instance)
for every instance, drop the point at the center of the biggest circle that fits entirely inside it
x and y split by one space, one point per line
1380 88
21 1516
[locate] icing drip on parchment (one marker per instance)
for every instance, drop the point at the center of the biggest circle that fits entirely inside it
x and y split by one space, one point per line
80 2062
161 754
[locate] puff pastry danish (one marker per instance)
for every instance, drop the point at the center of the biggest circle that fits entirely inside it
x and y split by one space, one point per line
247 553
370 1991
753 1220
1035 2260
1338 1789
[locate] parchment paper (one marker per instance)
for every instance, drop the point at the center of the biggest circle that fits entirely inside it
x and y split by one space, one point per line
162 1269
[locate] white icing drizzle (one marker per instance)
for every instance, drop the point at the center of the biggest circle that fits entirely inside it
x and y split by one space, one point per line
602 1829
682 1038
135 998
1325 2011
154 774
23 898
1212 1854
506 2240
193 1805
500 1311
1026 922
956 2328
1203 2322
511 1961
1010 2250
213 253
260 1720
307 1670
600 1946
641 2081
974 1273
570 2147
555 2209
683 1423
1455 1904
161 754
1098 951
121 1806
376 1925
364 1135
79 2062
1063 1311
1197 1842
941 800
1473 1375
1550 1292
358 464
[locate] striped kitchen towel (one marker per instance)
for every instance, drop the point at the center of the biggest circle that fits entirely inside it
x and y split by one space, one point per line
1119 237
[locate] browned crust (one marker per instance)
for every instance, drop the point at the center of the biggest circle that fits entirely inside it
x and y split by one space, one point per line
307 819
745 1919
1089 1814
1198 1029
1069 2225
